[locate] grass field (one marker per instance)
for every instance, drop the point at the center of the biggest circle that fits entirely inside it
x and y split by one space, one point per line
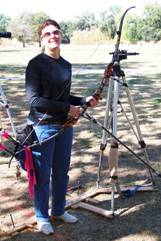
141 216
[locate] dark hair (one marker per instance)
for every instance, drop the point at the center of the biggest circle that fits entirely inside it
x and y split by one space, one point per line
47 23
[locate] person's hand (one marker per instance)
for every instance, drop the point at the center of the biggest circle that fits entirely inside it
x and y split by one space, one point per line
74 111
73 115
91 101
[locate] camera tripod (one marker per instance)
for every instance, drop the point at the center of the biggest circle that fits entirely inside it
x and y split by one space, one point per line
117 81
109 129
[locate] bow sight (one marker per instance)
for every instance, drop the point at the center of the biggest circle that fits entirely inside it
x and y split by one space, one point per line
122 54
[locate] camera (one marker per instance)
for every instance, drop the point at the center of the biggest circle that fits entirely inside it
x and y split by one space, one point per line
5 34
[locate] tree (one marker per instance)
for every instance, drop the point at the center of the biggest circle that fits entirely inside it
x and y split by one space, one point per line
133 29
152 22
4 21
37 19
21 29
108 25
85 22
67 29
108 21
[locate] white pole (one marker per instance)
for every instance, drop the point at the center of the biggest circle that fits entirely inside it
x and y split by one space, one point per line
4 103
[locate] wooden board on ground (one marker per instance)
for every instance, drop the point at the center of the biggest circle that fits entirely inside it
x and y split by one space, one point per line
24 218
93 209
97 191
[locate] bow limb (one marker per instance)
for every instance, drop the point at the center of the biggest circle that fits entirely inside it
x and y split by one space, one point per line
115 54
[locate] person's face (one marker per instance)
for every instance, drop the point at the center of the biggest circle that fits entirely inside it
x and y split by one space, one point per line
51 37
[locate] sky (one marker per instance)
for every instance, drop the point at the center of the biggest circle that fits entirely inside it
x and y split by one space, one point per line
67 9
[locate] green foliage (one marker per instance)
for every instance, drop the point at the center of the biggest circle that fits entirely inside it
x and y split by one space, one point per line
67 30
108 21
4 20
146 27
85 22
152 22
108 27
36 20
133 29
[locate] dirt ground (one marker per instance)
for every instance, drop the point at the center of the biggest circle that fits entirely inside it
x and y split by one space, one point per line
136 218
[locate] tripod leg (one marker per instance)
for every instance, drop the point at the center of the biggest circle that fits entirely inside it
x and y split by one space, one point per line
107 123
140 137
113 153
112 198
111 106
113 166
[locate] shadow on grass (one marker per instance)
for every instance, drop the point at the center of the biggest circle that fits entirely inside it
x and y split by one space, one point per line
146 96
139 221
11 69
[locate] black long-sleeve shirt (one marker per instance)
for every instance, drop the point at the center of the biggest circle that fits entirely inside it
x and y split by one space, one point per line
48 83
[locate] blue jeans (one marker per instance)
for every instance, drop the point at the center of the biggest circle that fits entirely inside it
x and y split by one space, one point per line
52 161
